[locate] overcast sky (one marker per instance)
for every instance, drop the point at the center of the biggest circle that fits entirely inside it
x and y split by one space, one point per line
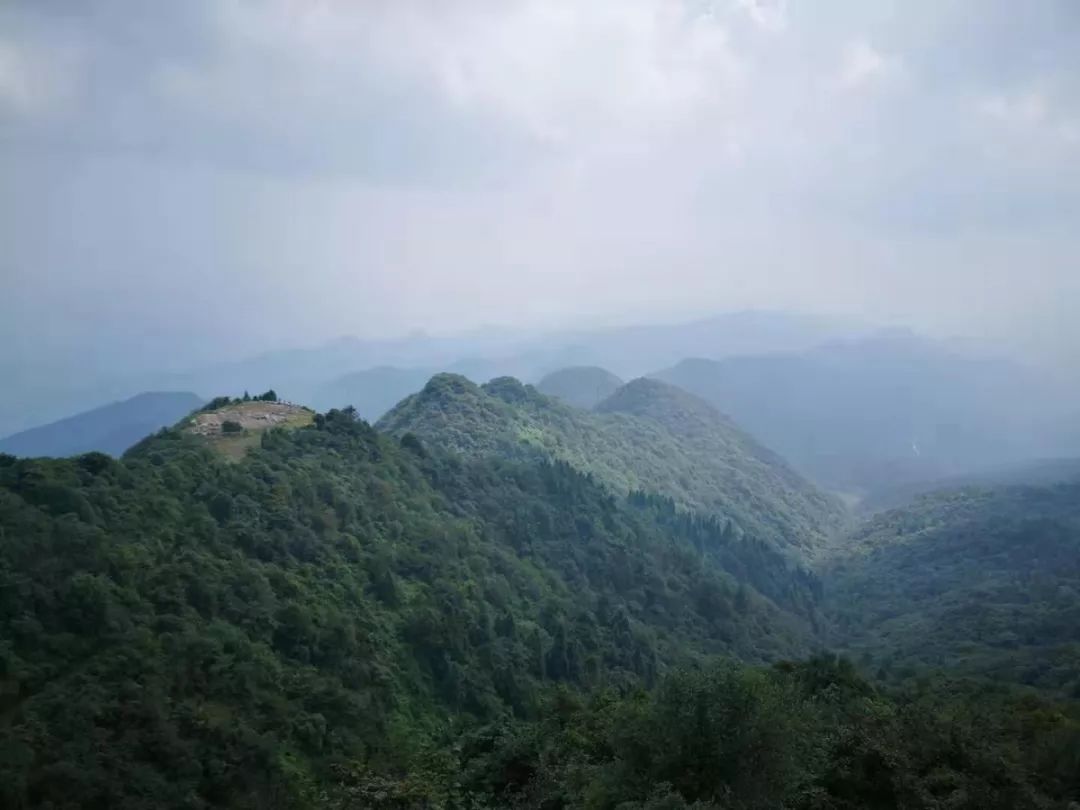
223 176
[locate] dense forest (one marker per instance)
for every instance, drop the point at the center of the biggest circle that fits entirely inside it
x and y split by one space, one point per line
347 619
172 619
647 436
979 580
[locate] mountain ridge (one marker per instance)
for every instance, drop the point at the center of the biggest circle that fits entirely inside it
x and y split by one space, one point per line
110 429
713 468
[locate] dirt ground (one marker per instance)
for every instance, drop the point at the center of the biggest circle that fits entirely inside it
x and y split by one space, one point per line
250 416
253 417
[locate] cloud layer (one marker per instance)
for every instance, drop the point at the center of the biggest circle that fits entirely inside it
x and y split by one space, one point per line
284 171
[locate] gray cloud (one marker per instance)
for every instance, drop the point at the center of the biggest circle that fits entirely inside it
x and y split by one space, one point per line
249 174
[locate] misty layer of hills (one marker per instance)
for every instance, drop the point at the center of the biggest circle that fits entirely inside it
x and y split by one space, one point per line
890 409
109 429
860 413
312 375
581 386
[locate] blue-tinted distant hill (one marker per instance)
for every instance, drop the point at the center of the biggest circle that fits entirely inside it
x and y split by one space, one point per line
580 386
109 429
352 370
885 411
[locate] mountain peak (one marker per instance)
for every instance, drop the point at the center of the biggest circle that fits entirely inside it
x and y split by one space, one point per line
447 383
659 400
511 390
648 436
580 386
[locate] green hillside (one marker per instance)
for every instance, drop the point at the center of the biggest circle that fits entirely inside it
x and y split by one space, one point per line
339 620
199 631
980 581
648 436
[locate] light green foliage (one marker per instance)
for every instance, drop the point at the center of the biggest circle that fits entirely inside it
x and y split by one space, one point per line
648 436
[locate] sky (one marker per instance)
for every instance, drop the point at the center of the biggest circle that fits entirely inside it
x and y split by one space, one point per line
207 179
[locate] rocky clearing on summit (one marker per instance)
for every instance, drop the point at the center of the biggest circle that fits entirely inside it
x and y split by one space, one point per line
253 417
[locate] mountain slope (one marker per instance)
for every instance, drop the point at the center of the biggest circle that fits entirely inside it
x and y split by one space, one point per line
109 429
580 386
882 411
182 631
338 620
983 581
705 464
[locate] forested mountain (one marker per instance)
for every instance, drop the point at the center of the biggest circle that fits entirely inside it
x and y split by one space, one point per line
342 620
648 436
883 411
109 429
580 386
180 627
984 581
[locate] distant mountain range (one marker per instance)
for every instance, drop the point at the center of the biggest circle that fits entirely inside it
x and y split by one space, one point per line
859 412
885 410
109 429
1041 472
580 386
375 391
647 436
320 375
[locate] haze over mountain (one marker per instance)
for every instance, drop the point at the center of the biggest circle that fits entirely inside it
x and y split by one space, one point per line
580 386
887 409
1040 472
109 429
322 375
374 391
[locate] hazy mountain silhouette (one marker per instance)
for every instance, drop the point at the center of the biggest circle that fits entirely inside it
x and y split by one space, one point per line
109 429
